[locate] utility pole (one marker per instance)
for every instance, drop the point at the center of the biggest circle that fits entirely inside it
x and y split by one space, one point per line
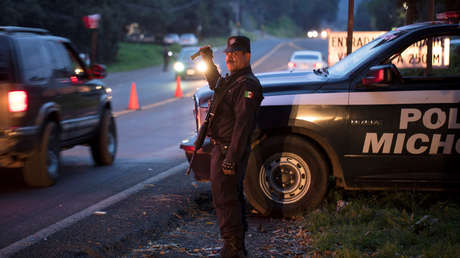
93 46
411 15
238 17
236 6
350 26
429 49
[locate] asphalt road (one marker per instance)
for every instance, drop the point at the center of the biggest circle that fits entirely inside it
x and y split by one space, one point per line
148 146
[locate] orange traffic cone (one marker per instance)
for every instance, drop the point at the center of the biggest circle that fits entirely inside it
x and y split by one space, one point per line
133 102
178 89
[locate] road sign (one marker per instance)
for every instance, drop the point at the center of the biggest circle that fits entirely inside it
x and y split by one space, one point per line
92 21
338 43
412 57
415 55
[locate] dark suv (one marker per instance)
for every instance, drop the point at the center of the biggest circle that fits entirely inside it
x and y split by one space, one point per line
50 101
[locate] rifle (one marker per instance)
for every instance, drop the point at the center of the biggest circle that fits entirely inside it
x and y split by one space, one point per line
216 99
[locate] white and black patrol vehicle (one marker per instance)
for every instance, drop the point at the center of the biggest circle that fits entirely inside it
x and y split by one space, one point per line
384 117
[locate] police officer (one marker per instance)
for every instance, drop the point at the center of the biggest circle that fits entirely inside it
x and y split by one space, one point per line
165 58
230 132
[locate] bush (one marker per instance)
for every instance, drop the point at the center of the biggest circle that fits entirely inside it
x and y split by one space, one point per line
387 224
284 27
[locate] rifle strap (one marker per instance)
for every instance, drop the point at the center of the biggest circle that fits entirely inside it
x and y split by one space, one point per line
221 90
233 84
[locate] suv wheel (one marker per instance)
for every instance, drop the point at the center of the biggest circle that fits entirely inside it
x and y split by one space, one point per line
104 145
286 176
42 168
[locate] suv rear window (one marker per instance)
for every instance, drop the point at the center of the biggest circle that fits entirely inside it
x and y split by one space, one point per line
36 61
4 59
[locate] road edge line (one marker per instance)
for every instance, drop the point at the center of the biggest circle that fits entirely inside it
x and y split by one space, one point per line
49 230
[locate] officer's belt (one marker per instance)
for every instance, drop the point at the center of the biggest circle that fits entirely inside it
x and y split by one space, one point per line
225 146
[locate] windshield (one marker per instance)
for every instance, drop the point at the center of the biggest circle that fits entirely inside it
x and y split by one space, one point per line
306 57
362 55
172 36
186 53
187 36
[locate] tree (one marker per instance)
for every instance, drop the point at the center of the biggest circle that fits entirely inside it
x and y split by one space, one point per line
214 17
401 12
152 16
305 14
369 15
64 18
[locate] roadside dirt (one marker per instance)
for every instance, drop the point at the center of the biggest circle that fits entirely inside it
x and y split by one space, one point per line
196 234
173 218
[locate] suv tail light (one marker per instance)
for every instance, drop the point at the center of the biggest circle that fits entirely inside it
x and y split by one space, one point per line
291 65
17 101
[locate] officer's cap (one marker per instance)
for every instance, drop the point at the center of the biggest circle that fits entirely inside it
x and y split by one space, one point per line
238 43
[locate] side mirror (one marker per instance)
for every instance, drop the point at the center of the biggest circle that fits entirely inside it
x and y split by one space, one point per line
380 75
98 71
85 58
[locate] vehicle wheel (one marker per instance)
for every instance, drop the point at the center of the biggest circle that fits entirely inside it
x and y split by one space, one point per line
42 168
286 176
104 145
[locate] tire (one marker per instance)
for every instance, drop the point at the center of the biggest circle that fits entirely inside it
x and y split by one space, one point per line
104 145
286 176
42 168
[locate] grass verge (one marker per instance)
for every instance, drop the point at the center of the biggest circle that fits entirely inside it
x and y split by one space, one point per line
284 27
132 56
386 224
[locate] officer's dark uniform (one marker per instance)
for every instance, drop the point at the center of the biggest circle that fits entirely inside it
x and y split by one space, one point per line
165 58
230 131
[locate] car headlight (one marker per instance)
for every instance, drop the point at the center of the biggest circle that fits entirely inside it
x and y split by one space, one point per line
314 34
202 66
179 67
324 34
108 91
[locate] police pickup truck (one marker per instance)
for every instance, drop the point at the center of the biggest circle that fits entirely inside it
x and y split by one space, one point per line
385 117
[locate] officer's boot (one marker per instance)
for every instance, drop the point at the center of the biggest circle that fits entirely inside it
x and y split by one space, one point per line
233 248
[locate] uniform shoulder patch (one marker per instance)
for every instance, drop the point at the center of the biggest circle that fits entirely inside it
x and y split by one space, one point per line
248 94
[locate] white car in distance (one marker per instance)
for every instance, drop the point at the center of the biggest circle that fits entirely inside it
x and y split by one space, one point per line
306 60
171 38
188 39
